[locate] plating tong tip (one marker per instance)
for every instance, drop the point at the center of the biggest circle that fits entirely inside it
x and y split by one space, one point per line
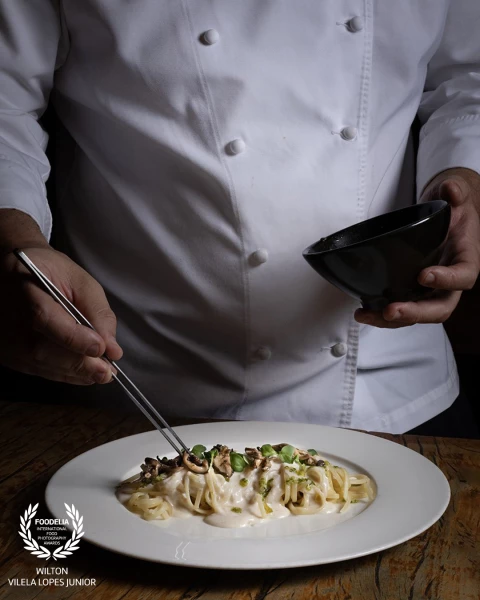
127 385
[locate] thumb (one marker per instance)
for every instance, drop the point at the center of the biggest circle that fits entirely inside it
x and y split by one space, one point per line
454 190
90 299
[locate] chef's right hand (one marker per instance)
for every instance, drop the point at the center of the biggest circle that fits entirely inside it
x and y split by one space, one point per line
38 336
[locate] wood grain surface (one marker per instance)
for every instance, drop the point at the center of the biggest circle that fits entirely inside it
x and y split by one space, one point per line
443 563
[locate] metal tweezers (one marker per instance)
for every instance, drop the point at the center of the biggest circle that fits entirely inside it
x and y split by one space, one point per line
127 384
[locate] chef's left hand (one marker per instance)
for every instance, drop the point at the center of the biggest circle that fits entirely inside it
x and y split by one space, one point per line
461 188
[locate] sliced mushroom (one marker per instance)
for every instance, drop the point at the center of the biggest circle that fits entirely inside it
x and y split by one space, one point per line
173 463
306 457
266 463
152 466
195 464
256 456
221 462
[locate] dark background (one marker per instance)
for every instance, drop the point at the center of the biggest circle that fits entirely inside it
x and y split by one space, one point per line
463 328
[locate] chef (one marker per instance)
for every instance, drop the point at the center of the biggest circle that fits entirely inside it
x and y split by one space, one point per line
207 143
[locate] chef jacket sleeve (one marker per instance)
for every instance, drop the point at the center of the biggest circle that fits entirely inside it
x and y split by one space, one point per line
450 107
30 32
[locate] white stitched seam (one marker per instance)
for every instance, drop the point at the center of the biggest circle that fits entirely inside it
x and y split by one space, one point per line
431 126
353 330
236 211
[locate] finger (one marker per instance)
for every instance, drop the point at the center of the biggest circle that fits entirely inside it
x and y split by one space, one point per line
434 310
56 376
459 276
52 321
455 190
376 319
404 314
47 358
90 299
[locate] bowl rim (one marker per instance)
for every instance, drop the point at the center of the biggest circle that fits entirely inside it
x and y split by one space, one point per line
442 205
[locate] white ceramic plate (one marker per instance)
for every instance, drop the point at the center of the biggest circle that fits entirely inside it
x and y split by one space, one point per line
412 493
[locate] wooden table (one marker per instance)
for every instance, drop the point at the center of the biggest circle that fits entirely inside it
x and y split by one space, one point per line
441 564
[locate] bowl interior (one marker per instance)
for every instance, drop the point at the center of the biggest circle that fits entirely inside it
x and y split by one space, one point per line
388 223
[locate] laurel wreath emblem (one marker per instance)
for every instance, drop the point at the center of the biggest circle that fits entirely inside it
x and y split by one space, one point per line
33 546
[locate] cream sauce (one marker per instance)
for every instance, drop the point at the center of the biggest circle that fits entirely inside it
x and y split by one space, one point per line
243 498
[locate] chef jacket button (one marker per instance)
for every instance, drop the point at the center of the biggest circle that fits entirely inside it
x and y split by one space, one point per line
259 257
355 24
263 353
349 133
235 147
339 349
209 37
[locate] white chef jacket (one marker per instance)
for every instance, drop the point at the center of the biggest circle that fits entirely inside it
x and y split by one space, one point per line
212 141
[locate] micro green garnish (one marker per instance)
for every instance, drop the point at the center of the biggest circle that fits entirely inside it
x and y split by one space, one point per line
312 451
236 509
244 482
287 454
210 455
160 477
238 461
198 450
267 450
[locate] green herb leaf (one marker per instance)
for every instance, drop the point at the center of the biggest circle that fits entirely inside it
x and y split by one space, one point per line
238 461
236 509
210 455
244 482
198 450
267 450
312 451
287 453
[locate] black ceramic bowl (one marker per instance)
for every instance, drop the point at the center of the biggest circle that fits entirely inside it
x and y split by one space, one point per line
378 260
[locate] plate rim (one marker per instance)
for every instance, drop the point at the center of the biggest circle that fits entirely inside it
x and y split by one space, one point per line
187 429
